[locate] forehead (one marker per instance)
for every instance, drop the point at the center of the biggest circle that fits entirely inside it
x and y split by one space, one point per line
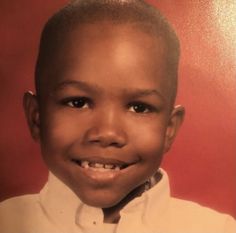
112 50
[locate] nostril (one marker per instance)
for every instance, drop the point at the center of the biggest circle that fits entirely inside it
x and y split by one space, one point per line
113 144
108 141
106 138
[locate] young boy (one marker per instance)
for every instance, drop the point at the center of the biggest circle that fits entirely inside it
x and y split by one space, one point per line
104 114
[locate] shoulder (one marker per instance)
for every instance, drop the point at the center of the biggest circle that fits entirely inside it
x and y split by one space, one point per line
19 212
20 203
195 216
184 206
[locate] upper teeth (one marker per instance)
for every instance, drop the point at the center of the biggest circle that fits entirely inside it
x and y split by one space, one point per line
99 166
108 166
85 164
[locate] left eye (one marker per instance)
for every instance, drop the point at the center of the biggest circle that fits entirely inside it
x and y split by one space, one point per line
81 102
140 108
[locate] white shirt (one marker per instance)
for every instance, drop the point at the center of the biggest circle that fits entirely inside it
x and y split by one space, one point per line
56 209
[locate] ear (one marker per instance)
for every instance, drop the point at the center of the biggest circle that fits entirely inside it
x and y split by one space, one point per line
31 109
175 121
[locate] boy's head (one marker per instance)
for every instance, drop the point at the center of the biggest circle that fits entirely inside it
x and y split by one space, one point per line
135 13
106 81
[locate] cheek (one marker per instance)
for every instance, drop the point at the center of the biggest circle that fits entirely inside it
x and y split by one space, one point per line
59 131
149 139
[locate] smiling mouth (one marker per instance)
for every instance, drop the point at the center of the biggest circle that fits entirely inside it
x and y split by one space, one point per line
101 166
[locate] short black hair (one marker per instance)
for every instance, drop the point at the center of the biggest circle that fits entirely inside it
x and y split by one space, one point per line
139 12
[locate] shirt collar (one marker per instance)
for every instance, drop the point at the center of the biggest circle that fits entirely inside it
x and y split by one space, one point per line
151 205
59 203
65 209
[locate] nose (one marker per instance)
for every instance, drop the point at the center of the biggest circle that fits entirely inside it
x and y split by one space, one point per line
106 130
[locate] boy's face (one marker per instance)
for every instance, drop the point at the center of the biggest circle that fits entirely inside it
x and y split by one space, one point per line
104 119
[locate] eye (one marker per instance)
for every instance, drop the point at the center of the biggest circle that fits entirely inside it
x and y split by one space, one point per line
78 102
139 107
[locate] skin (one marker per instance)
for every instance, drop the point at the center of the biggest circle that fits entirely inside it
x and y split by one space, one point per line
105 99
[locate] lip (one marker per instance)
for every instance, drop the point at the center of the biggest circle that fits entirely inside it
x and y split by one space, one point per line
105 160
103 178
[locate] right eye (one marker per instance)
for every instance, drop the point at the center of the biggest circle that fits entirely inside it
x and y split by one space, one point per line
78 102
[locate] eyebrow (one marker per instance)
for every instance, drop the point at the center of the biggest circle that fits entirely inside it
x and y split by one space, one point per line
136 93
88 87
77 84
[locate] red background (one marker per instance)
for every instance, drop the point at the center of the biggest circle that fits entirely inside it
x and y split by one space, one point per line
202 162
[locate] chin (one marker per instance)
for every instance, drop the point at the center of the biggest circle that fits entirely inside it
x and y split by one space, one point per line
101 199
